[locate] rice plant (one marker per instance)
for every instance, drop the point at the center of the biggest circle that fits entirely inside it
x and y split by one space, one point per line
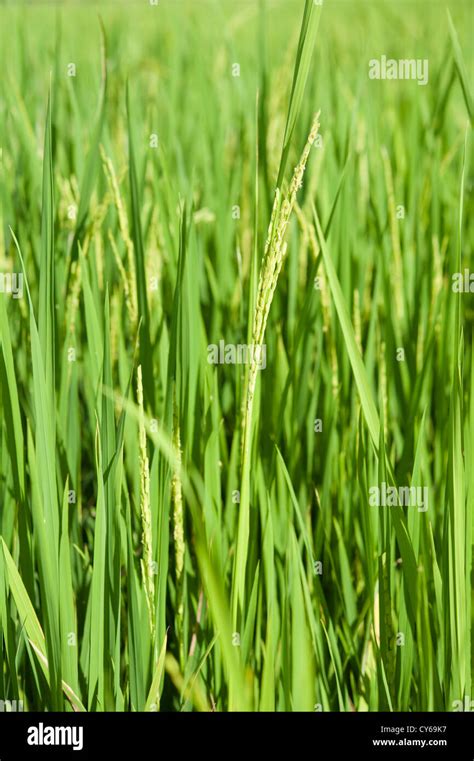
236 356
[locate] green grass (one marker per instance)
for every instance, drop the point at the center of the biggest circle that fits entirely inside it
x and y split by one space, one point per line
177 535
